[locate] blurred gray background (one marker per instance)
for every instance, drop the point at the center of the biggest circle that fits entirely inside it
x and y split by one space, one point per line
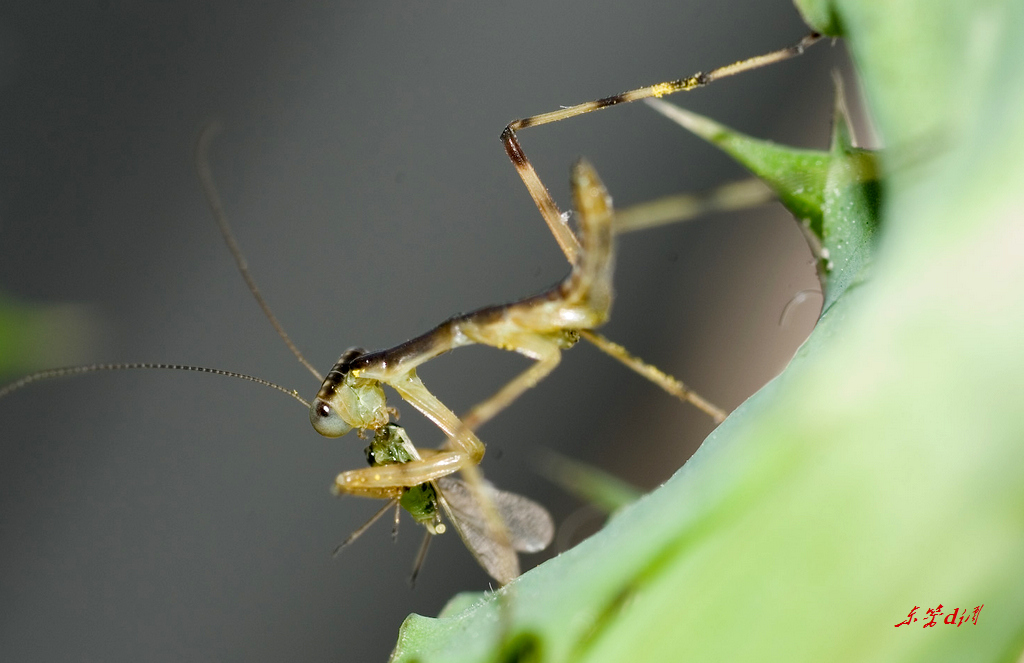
174 516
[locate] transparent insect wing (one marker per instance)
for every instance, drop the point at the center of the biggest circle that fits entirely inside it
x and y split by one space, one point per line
530 527
466 516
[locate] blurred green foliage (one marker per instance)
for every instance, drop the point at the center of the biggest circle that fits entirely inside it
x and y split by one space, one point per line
35 336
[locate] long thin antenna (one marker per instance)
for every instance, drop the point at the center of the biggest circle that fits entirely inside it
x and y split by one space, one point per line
365 526
421 556
213 198
91 368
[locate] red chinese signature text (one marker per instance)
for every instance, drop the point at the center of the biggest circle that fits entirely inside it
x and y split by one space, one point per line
950 619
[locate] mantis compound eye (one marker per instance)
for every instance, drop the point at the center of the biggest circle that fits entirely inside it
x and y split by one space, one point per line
326 420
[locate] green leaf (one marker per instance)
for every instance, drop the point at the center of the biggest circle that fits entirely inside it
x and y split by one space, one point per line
820 15
796 176
850 210
835 194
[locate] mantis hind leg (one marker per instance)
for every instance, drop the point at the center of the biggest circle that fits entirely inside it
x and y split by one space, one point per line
659 377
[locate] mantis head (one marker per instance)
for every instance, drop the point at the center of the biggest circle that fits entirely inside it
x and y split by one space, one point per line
345 401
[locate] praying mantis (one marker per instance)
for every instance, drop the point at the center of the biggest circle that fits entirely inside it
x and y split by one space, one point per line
539 327
218 494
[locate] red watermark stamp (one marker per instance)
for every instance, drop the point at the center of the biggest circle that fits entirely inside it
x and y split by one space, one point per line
951 618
